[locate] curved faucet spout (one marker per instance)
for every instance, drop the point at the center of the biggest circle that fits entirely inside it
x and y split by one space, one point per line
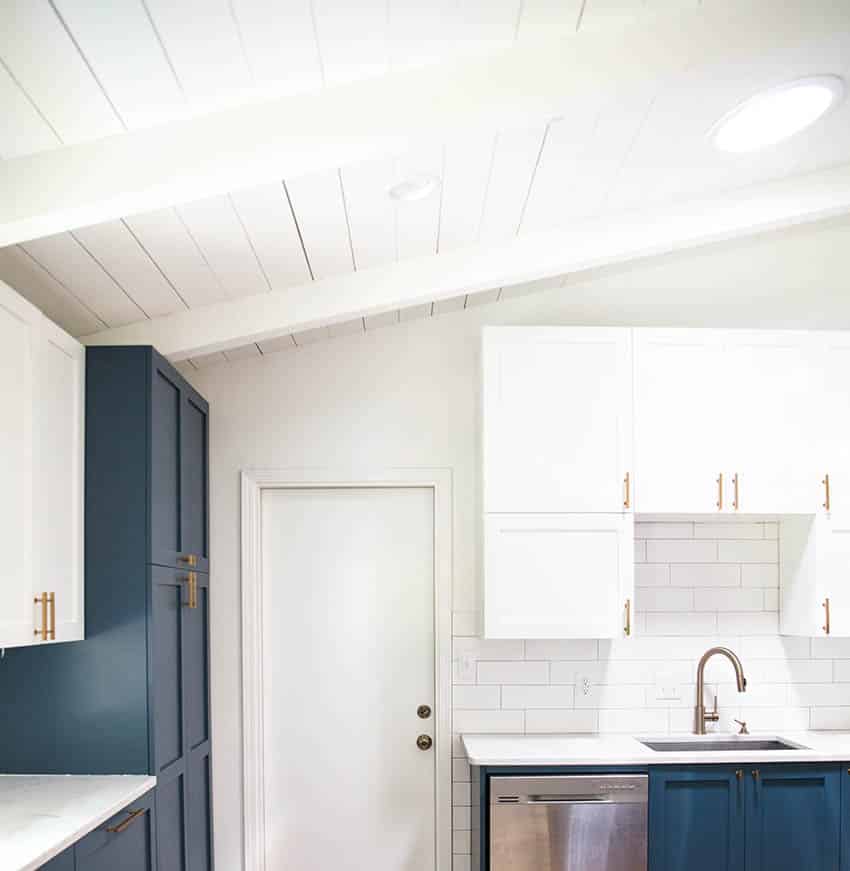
700 714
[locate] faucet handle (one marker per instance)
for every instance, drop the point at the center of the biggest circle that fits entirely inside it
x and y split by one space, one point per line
712 716
743 730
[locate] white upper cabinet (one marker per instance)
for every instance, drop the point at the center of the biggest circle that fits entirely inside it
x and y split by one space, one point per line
557 406
832 423
41 467
682 436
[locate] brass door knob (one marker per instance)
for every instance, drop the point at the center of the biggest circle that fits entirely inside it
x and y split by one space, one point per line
424 742
423 712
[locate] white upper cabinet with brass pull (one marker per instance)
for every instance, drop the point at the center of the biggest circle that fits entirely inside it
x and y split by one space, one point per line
41 457
557 433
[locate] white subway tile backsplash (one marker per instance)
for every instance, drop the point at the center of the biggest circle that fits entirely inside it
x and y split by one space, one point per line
698 584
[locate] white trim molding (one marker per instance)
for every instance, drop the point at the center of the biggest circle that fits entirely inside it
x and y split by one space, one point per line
254 483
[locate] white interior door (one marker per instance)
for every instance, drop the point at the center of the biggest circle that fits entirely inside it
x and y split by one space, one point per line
557 419
348 656
18 342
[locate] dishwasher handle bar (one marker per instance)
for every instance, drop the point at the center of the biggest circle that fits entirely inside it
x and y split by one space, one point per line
575 789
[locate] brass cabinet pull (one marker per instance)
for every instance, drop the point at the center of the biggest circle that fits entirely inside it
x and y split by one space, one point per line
125 824
739 773
44 632
735 496
825 483
51 600
720 492
826 608
189 560
192 580
627 486
756 773
628 627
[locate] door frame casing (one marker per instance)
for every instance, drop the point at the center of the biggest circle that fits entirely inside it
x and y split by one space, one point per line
253 483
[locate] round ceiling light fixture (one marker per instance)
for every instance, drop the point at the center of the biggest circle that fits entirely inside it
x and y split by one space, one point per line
415 188
777 114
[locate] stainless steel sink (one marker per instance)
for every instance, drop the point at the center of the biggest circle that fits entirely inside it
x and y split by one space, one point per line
719 745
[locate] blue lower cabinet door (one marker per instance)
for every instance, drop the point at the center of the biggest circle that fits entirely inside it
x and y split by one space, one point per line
126 841
845 819
793 818
696 819
62 862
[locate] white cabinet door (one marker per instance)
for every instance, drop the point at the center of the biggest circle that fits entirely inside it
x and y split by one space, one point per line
832 424
771 410
19 325
557 408
558 576
58 534
681 431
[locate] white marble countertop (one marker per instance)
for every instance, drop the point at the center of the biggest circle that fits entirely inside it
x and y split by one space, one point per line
627 750
41 815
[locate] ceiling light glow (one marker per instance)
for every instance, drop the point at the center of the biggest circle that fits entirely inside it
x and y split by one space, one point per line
777 114
416 188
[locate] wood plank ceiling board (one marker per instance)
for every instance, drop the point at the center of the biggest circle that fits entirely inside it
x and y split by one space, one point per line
170 245
319 209
548 19
206 360
418 221
32 281
24 130
39 53
468 162
487 26
280 44
217 230
245 352
387 319
612 14
281 343
121 255
353 39
267 218
74 267
514 162
371 211
203 42
116 37
421 33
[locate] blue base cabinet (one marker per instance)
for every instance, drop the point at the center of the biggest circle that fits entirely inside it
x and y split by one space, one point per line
133 698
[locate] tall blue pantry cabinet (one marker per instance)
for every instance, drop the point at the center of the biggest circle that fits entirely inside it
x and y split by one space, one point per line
133 697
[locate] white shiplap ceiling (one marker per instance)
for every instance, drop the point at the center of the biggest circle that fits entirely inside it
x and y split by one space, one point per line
72 71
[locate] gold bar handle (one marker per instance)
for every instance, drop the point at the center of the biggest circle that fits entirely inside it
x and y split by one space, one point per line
193 598
826 608
627 485
825 483
125 824
51 600
43 632
739 773
735 504
720 492
189 560
628 627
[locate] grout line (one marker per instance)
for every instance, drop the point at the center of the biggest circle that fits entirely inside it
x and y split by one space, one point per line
298 231
32 102
114 280
348 222
533 177
86 61
250 242
156 265
62 284
164 51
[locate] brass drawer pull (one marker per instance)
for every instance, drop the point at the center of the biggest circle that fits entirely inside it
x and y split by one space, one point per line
735 497
123 826
192 580
48 616
826 608
628 627
189 560
739 773
628 486
720 492
825 483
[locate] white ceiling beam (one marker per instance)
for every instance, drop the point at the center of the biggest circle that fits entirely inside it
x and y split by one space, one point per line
590 244
186 160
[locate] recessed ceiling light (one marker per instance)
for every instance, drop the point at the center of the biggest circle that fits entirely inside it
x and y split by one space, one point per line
777 114
415 188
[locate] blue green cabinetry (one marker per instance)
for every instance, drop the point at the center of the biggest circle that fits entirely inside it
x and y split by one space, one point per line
133 698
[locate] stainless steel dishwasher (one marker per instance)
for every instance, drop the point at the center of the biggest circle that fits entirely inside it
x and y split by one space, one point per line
573 823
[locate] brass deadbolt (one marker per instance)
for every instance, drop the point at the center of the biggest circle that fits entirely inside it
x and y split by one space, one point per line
424 742
423 712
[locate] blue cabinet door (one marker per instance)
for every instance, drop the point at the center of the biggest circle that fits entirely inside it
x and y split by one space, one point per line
793 818
125 842
844 774
62 862
696 819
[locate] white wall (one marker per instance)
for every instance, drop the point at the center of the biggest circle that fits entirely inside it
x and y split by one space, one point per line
407 396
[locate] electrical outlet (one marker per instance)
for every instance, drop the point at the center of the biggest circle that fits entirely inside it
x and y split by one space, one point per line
584 686
667 692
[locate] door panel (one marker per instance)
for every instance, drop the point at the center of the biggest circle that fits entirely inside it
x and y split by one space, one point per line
171 816
62 862
348 653
168 594
165 482
194 460
538 383
834 420
196 653
198 818
696 820
130 849
792 818
577 572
